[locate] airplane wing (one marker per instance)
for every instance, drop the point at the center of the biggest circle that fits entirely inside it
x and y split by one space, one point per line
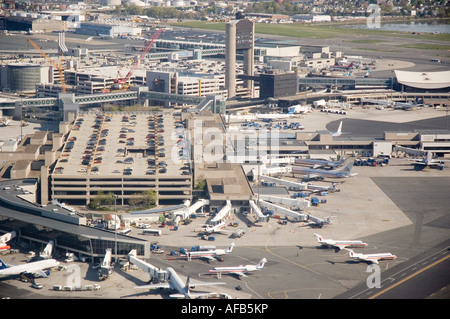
208 257
37 272
154 286
374 261
241 274
197 284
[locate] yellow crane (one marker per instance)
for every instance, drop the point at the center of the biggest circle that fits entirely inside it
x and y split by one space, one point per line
61 73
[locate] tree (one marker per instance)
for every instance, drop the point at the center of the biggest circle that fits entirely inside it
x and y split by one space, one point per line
143 199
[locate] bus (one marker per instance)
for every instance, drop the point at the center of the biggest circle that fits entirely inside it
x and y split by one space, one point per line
154 232
126 231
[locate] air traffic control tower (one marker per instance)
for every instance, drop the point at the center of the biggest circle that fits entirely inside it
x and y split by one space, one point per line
240 35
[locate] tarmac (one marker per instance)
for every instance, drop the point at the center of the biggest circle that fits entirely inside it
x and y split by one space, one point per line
393 208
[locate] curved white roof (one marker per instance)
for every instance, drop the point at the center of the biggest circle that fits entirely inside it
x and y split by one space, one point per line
424 80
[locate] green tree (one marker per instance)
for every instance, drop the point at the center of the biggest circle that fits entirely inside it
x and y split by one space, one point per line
144 199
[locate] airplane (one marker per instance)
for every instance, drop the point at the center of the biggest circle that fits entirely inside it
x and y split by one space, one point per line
429 161
208 229
89 39
174 282
312 173
342 67
319 163
340 244
35 268
408 106
373 258
207 254
240 270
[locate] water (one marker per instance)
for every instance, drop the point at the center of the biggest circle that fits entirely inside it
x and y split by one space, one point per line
422 27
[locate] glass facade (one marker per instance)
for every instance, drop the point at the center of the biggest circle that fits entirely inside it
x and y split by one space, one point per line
23 77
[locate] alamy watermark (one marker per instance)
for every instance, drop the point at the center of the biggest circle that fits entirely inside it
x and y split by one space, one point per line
374 19
374 279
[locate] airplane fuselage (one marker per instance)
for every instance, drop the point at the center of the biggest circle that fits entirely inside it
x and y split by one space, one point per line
29 267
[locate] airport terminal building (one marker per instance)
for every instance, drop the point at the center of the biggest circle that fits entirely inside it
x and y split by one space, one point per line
38 224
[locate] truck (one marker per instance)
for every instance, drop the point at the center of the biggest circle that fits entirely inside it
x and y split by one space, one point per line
239 233
315 201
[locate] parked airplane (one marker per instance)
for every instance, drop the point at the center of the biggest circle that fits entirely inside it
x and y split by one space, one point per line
408 106
35 268
183 289
311 173
373 258
240 270
342 67
340 244
208 229
319 163
429 161
207 254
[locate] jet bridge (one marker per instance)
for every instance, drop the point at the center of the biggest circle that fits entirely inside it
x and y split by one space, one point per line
276 170
186 211
257 211
156 274
222 213
282 210
297 203
291 185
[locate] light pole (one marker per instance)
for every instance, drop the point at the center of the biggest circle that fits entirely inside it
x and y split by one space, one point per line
115 228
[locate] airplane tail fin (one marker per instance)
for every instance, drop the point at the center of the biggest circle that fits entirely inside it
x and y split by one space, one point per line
339 128
291 110
188 283
351 253
48 249
230 248
2 265
319 238
261 263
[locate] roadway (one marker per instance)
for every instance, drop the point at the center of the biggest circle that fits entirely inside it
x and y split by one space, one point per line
407 280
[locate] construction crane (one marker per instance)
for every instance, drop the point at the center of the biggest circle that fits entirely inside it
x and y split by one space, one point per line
141 57
61 73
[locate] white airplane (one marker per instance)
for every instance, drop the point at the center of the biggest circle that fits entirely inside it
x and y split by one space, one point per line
319 163
373 258
408 106
429 161
311 173
240 270
208 229
340 244
207 254
35 268
183 289
47 252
